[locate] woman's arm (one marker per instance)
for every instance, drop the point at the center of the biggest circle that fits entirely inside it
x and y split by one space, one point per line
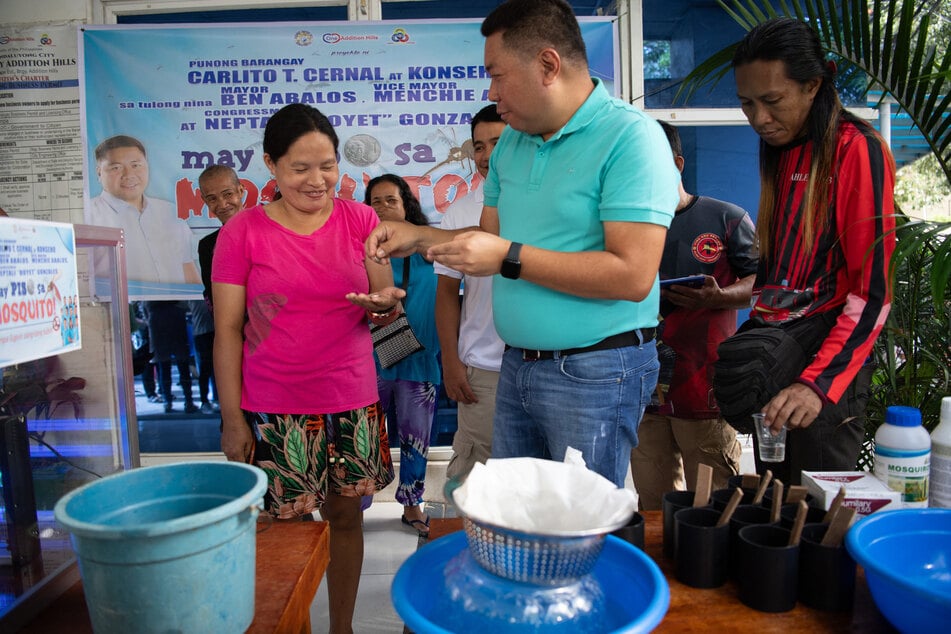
229 299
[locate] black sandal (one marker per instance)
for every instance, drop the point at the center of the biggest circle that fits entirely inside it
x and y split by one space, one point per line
421 527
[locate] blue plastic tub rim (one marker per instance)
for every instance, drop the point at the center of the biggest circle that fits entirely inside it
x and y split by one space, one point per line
228 471
911 521
653 614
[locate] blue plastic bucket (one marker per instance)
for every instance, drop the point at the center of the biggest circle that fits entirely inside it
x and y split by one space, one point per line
168 548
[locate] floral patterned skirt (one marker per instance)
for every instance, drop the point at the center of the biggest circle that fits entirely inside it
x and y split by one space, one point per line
307 456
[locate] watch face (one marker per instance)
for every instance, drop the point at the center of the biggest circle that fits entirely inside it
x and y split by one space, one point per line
511 269
511 265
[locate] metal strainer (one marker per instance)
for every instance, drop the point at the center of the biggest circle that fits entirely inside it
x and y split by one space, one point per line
532 558
555 558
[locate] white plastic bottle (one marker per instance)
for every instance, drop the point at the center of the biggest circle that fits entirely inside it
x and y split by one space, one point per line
903 455
941 458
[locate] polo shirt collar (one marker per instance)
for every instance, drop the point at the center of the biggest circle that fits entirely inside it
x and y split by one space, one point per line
587 112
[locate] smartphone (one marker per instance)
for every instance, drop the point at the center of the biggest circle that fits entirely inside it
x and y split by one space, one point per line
693 281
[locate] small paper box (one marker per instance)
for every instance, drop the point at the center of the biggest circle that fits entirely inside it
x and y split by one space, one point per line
863 491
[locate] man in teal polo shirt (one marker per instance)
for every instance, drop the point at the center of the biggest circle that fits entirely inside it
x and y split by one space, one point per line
580 192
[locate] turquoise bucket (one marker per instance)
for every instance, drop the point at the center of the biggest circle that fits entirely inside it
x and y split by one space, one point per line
168 548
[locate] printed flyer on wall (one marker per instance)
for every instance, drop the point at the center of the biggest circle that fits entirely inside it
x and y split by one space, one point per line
401 97
39 300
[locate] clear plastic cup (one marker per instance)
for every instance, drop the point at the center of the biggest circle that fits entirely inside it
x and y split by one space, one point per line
772 444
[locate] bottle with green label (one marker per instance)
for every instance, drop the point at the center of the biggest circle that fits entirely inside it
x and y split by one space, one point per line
903 455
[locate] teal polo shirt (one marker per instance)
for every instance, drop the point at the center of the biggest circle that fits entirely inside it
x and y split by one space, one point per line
610 162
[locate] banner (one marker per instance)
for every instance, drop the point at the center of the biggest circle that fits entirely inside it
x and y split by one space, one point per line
41 153
39 300
401 96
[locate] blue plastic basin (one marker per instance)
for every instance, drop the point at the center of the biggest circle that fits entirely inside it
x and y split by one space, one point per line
906 555
625 592
169 548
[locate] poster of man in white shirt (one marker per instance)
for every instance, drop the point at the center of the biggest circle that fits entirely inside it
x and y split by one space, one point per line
158 245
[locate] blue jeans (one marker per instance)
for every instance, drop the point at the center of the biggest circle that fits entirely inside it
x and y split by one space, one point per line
591 401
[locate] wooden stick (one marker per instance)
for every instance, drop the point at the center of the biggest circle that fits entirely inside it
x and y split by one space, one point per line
796 531
761 490
838 526
777 500
836 503
730 506
796 492
750 481
701 497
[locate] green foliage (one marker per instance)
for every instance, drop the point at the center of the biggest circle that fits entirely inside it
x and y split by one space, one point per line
657 59
913 351
920 186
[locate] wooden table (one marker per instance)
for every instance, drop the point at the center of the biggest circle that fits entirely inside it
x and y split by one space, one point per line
291 560
719 609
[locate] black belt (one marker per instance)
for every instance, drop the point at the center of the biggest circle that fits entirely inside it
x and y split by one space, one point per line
620 340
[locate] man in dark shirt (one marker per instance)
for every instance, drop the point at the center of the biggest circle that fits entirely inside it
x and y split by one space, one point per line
223 193
714 239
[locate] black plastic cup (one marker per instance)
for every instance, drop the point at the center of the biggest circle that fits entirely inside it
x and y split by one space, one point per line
702 548
787 515
633 531
721 497
826 573
672 502
769 568
744 515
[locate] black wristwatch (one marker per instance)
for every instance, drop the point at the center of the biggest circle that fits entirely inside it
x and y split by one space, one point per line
511 265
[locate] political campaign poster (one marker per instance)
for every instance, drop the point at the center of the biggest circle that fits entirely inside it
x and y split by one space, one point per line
39 298
401 96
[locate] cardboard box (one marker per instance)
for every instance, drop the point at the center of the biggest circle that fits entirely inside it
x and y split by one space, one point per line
863 491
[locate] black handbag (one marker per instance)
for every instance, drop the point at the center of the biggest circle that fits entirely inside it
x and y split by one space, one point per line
760 360
396 340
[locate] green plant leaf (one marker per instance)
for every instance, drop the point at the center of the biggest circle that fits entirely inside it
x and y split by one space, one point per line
295 449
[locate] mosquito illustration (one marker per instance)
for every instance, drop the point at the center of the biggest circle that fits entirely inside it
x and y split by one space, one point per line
457 154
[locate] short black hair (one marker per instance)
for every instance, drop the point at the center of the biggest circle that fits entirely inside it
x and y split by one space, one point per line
673 137
528 26
291 123
489 114
116 142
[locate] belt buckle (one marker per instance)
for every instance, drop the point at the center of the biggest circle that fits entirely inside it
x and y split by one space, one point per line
531 355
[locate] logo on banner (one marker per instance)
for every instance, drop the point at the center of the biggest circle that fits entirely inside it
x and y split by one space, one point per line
336 38
400 36
304 38
46 40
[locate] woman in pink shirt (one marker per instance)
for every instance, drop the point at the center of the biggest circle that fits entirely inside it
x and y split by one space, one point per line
296 380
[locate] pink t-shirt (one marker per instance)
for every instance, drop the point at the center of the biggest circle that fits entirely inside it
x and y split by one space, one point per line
307 349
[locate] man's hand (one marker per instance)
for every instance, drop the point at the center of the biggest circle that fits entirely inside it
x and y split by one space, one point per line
456 383
392 239
691 298
473 253
796 406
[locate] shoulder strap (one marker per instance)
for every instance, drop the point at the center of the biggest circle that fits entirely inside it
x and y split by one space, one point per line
405 283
